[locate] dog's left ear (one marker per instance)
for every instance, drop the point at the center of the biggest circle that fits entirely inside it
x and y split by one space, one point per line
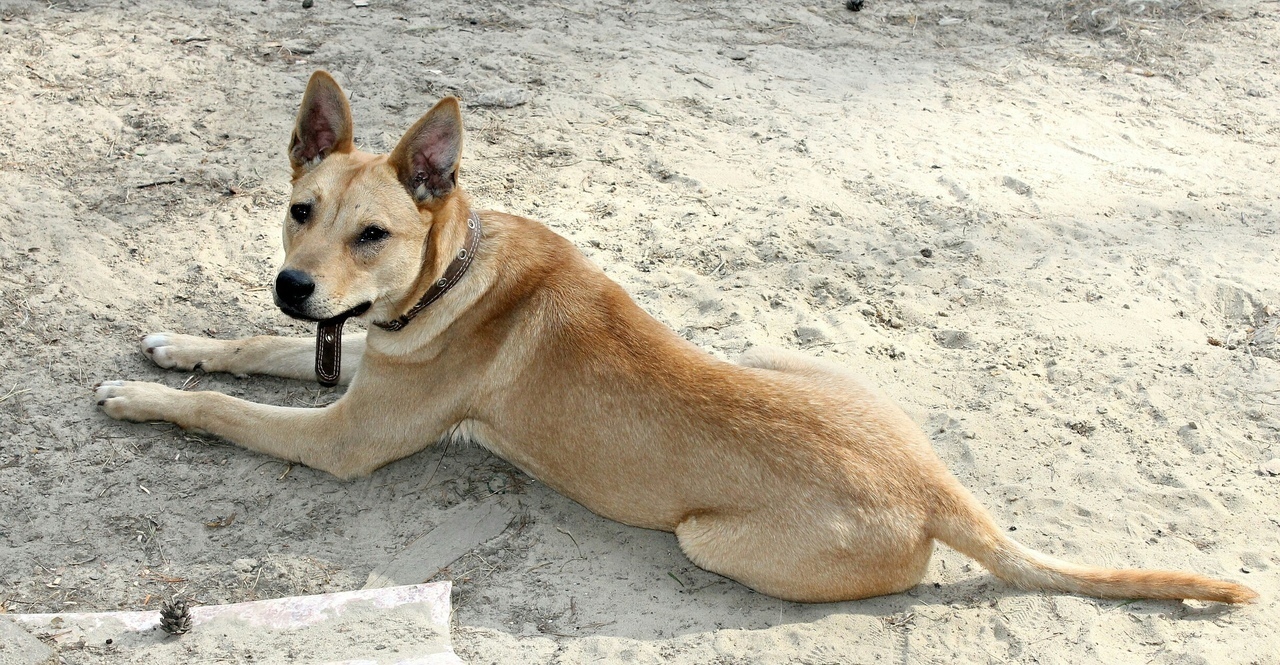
428 156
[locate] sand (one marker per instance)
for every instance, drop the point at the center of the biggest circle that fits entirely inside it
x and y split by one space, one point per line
1047 231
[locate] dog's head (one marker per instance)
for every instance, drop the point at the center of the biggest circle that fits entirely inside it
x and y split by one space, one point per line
359 227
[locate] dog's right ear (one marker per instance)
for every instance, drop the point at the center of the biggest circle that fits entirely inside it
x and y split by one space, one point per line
323 126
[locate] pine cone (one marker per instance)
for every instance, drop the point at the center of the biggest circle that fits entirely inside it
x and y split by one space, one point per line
175 617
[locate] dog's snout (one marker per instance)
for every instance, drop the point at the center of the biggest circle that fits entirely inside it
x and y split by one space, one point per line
293 287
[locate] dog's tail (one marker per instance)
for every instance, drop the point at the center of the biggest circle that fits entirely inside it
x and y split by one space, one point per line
961 522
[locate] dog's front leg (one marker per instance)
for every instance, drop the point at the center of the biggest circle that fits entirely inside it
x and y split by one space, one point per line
289 357
343 438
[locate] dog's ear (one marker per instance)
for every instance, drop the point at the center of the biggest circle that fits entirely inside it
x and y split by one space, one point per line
427 157
324 123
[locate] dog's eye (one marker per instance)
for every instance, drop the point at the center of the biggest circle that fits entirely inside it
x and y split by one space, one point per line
371 234
300 212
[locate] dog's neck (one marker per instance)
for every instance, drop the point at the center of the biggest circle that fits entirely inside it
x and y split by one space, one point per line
447 259
448 233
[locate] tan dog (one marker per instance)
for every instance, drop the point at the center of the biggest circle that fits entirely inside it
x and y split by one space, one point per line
782 472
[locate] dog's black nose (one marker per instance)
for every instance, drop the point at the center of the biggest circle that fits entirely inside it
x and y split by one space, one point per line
293 287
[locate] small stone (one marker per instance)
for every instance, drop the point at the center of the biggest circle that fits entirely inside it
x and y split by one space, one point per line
954 339
504 98
307 4
298 47
1082 427
854 5
734 54
1271 468
1190 435
245 565
810 334
1017 185
926 253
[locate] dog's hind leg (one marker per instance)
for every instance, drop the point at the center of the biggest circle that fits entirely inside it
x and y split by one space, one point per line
802 562
289 357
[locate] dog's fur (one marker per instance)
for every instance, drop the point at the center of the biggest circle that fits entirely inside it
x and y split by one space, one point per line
782 472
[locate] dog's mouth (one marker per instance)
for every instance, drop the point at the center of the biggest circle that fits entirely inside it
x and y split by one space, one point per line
303 316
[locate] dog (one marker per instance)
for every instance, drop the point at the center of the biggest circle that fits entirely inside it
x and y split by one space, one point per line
782 472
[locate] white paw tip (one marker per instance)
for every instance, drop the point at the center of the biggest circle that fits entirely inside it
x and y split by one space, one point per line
150 342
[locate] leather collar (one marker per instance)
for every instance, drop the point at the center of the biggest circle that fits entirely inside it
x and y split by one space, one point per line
457 268
329 333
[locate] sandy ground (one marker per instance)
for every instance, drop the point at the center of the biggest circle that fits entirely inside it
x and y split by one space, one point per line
1047 231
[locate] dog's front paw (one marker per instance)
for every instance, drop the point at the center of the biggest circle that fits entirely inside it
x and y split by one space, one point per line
136 400
184 352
